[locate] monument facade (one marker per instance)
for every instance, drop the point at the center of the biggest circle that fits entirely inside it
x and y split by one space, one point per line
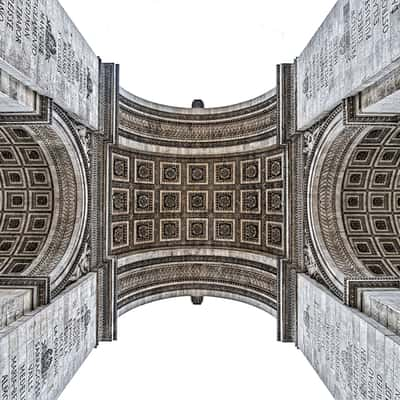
289 202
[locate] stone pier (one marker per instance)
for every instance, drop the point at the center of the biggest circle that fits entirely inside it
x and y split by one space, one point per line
356 357
42 349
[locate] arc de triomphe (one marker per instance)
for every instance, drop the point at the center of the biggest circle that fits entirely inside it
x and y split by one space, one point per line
289 202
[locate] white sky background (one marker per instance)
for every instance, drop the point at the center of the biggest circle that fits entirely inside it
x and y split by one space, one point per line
172 51
223 51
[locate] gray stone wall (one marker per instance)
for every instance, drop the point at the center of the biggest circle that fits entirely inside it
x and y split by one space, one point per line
384 307
14 303
358 43
41 47
40 353
356 357
15 96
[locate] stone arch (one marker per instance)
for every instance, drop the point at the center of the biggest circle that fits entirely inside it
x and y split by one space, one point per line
55 205
28 188
229 278
149 123
371 201
196 202
339 215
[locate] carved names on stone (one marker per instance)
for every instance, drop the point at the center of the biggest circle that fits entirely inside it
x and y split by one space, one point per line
354 47
41 47
355 357
43 350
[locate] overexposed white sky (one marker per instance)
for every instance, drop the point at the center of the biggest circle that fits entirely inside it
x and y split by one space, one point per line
172 51
223 51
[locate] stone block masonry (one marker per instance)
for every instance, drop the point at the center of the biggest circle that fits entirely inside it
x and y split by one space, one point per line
40 353
13 305
41 47
356 357
358 44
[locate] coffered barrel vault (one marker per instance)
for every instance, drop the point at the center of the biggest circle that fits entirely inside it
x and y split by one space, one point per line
206 181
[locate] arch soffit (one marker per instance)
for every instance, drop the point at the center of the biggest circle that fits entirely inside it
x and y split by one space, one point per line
61 144
336 257
155 126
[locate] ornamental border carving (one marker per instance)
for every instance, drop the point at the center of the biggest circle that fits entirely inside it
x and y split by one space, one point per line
74 204
317 133
43 114
353 285
353 114
40 284
137 283
149 125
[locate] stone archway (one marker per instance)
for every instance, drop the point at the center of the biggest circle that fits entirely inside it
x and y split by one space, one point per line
197 276
109 201
44 200
196 202
353 190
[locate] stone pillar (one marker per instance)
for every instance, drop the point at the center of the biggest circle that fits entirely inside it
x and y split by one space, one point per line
40 352
355 356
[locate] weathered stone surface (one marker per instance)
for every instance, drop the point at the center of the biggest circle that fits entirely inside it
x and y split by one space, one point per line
362 356
41 47
358 44
13 305
41 352
14 95
384 307
383 96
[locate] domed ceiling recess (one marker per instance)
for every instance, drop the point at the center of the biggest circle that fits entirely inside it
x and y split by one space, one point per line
26 200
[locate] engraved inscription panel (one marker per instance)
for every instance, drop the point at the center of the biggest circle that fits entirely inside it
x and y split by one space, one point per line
41 46
42 352
355 357
358 41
